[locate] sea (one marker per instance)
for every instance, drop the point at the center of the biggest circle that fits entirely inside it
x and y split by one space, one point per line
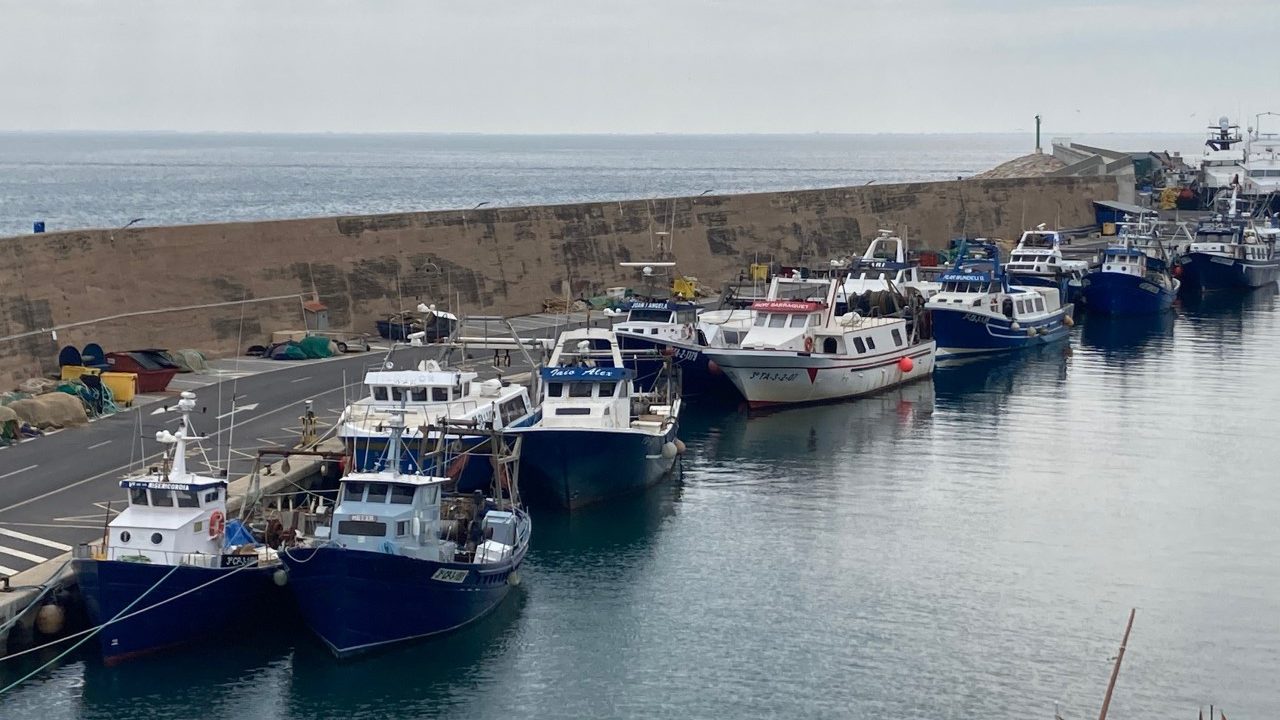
969 546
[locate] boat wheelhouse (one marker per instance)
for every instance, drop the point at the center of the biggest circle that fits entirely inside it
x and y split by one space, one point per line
887 267
423 397
1129 281
1037 261
1229 252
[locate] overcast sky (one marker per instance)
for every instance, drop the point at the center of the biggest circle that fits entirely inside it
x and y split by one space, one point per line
548 66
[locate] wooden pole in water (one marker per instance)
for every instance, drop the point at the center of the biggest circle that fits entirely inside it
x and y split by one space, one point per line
1115 670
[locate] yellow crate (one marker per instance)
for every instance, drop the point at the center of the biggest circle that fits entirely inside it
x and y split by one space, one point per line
759 271
73 372
123 386
1108 228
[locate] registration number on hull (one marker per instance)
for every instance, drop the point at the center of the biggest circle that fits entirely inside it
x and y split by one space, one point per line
450 576
774 376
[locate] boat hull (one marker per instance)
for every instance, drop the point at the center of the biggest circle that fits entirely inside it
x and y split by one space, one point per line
1069 291
961 332
772 378
700 378
571 468
225 599
357 600
1112 293
1214 272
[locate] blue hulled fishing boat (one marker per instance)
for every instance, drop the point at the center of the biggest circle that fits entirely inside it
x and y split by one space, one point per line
1229 253
599 436
173 570
978 311
1128 281
403 558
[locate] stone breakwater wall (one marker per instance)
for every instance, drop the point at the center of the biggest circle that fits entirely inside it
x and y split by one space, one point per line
492 260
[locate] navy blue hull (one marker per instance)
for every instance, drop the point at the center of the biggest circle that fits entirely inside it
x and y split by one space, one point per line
958 332
1111 293
219 609
1210 272
356 600
571 468
699 378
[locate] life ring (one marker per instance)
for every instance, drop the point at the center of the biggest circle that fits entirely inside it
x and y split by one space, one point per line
808 344
217 523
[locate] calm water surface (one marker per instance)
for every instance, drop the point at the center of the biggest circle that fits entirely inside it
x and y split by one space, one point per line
967 547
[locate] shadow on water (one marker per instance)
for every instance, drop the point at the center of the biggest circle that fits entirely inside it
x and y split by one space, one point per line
1226 303
729 438
1002 376
596 531
1121 337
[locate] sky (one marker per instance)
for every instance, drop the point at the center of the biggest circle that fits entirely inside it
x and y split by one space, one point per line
624 66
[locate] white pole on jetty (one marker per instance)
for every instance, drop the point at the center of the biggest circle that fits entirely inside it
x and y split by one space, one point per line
1115 669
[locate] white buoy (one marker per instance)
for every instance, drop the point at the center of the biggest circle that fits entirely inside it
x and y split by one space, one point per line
668 450
280 578
50 619
514 578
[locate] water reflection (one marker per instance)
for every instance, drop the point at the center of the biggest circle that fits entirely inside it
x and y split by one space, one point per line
1126 337
992 381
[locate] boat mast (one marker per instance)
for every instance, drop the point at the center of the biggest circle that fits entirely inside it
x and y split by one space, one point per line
1115 669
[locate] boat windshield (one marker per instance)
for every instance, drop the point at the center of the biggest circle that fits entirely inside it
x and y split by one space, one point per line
659 316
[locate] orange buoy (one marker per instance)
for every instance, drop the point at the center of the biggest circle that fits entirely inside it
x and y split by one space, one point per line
906 365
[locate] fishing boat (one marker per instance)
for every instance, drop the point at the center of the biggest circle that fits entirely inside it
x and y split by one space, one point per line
599 436
403 558
423 397
1037 261
1129 281
886 266
1228 252
978 310
172 569
654 331
804 351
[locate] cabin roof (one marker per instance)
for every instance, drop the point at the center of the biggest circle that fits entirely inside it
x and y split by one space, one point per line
191 482
156 518
416 378
386 477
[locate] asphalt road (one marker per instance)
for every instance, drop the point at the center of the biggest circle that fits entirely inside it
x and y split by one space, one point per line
55 491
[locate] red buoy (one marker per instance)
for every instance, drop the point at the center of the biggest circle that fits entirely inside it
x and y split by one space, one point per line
905 364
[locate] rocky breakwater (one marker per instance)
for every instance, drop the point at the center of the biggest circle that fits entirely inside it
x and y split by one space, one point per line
103 285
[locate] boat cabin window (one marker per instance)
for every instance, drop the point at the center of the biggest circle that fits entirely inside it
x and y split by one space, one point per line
555 389
1053 260
362 527
353 491
859 345
777 320
606 388
830 346
651 315
211 496
1039 304
897 337
871 343
761 319
799 321
402 528
138 496
439 394
418 394
580 390
685 317
401 494
512 410
1021 308
397 394
377 493
379 393
162 498
188 498
732 338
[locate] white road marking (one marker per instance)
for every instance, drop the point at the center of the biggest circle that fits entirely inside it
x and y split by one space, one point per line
98 445
241 408
298 380
20 554
7 570
34 539
19 470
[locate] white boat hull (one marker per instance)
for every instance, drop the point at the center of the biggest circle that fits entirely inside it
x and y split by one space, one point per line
779 377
